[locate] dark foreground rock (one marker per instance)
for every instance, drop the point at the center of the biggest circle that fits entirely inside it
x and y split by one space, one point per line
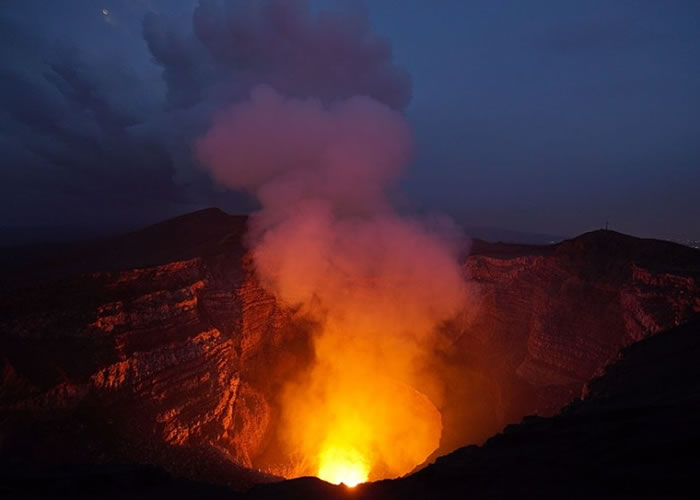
101 481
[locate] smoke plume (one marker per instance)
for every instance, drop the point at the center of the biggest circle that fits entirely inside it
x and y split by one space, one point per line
328 243
91 132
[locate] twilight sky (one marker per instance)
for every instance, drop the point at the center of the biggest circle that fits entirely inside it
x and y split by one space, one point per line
539 116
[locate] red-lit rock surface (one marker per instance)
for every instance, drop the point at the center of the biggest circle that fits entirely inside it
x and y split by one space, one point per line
146 364
161 347
549 318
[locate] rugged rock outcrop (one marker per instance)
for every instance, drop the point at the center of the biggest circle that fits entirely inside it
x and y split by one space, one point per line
143 364
161 347
549 318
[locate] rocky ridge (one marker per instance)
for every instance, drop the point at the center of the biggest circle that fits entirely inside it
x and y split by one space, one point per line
547 319
160 347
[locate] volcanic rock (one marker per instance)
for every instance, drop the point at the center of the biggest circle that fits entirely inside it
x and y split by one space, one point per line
161 347
548 318
144 364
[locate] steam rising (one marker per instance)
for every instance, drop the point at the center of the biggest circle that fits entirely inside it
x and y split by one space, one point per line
328 242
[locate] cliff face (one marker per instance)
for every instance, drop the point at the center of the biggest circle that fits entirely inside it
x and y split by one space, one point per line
549 318
144 364
161 347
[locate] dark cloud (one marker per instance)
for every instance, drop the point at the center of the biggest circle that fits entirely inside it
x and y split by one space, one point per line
237 45
69 153
86 137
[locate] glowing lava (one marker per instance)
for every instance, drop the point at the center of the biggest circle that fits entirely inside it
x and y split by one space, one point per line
356 426
346 466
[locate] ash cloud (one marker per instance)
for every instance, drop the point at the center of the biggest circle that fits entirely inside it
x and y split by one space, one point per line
328 243
236 45
85 137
